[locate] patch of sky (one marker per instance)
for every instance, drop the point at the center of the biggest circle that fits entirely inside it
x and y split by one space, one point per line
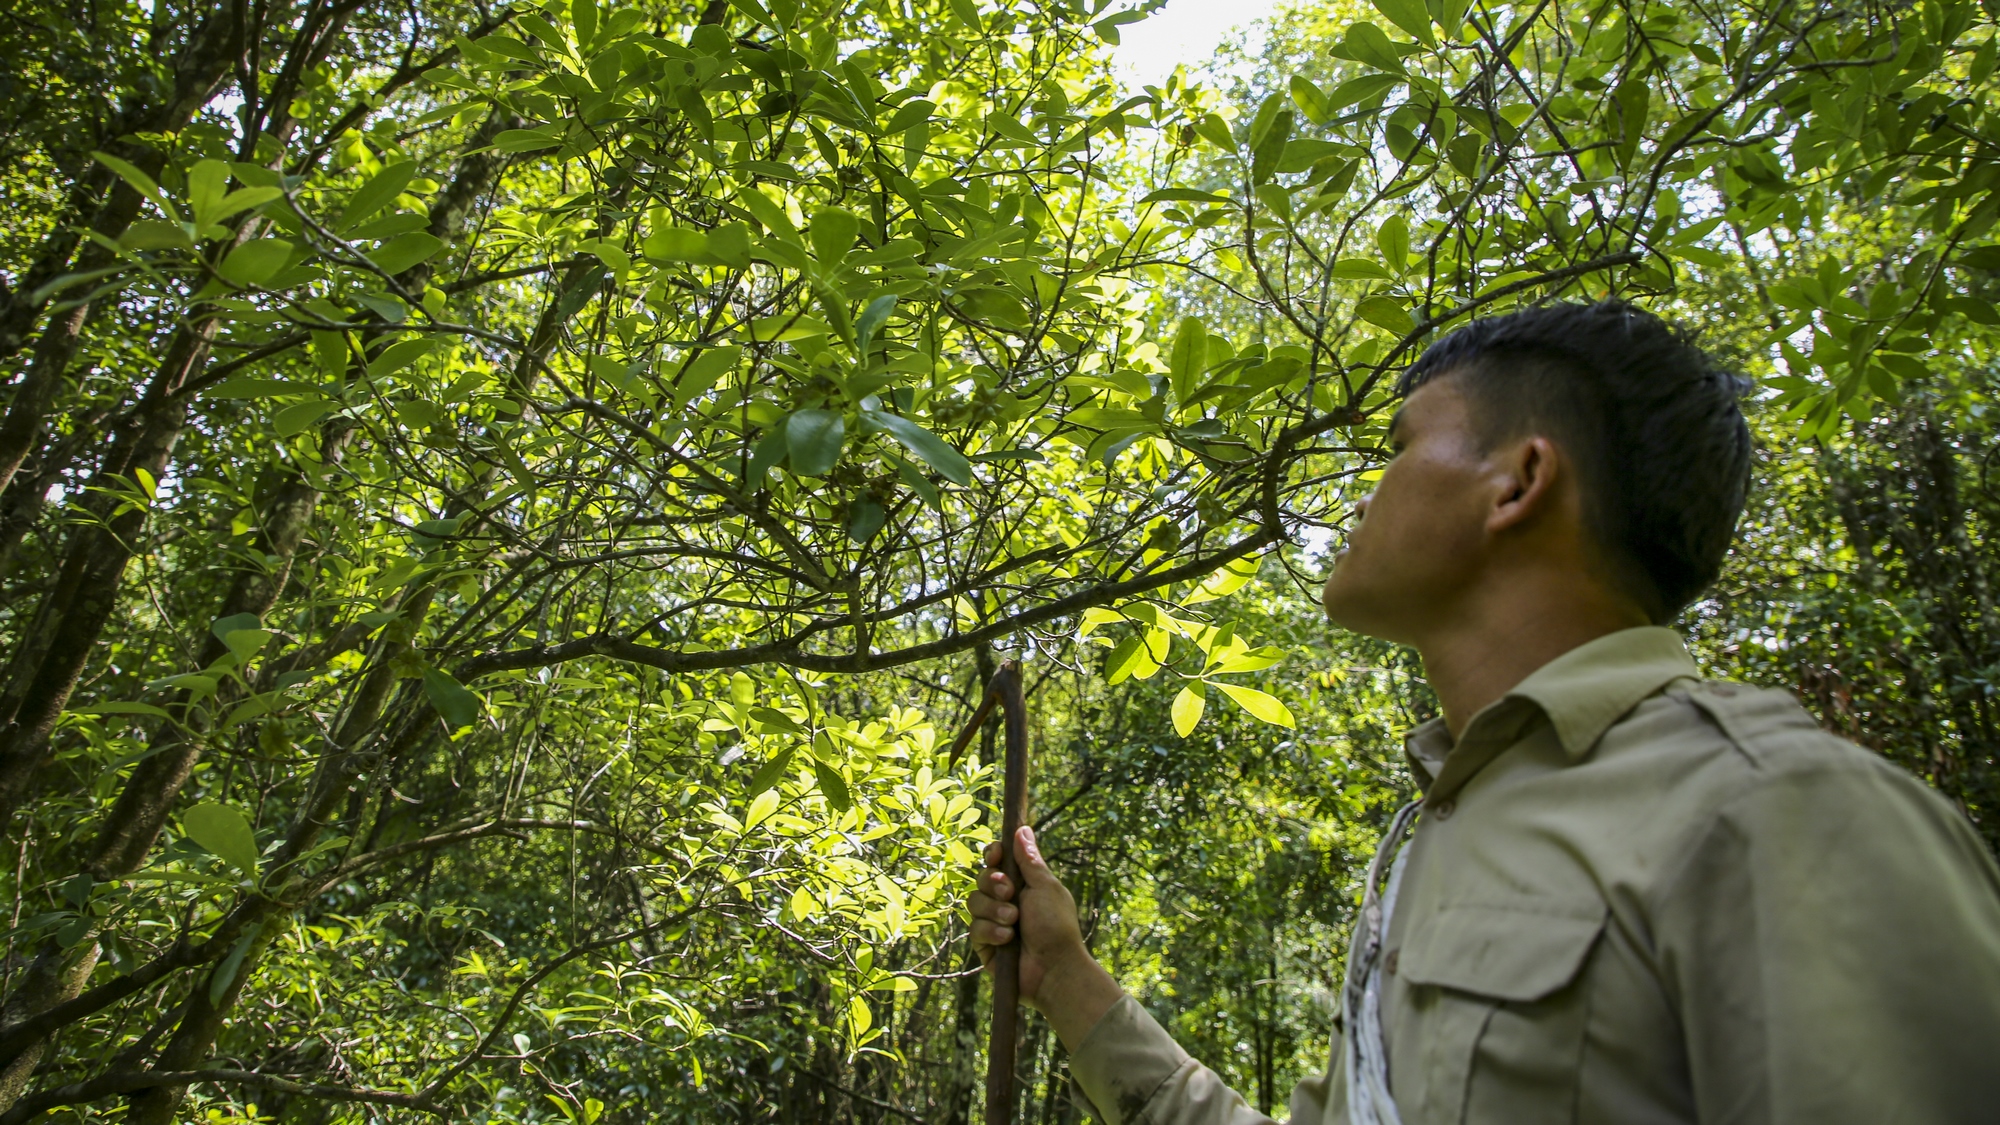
1185 32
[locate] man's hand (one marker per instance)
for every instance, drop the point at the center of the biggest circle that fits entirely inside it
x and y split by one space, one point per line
1059 977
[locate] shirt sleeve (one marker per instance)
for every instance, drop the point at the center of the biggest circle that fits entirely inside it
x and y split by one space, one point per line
1135 1074
1833 941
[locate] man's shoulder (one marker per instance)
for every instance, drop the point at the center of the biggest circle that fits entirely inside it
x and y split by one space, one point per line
1749 736
1751 765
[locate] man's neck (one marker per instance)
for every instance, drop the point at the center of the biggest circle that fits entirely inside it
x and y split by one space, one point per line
1498 641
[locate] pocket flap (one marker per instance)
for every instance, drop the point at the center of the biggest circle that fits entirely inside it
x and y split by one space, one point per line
1515 952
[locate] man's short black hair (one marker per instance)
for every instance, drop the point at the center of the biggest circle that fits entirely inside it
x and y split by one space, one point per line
1654 425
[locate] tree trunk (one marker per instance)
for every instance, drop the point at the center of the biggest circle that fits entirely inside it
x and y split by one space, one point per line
87 589
149 794
200 69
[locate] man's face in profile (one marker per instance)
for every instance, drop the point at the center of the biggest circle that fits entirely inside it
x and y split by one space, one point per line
1416 542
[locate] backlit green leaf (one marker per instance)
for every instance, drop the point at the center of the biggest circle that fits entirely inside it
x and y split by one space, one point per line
405 250
224 831
1187 707
255 262
381 189
456 705
814 438
928 447
1261 705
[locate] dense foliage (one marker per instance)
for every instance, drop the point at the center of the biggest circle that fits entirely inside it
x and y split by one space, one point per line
502 511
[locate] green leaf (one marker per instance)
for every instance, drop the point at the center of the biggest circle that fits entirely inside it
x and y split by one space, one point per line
123 707
676 244
1188 357
255 262
528 140
871 320
1411 16
1107 28
225 973
1360 268
381 189
929 448
864 518
771 719
401 354
139 181
1232 576
1355 91
1310 99
769 452
1265 117
1245 662
1369 44
206 182
920 484
1261 705
996 307
156 234
833 785
1184 195
814 438
729 245
786 327
248 386
761 808
1132 657
1393 239
458 706
245 643
293 420
1187 709
1213 129
1386 312
225 832
912 112
405 250
704 371
1266 154
771 772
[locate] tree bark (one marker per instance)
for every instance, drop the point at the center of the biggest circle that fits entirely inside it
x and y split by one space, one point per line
149 794
87 587
201 68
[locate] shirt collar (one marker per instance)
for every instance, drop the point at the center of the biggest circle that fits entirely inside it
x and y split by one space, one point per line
1582 693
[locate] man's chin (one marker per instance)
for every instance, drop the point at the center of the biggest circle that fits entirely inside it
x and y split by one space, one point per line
1359 611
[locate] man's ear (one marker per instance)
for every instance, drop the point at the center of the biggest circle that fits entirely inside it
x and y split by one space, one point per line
1528 473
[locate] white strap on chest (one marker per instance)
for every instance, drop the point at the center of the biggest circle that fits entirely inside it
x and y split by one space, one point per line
1368 1098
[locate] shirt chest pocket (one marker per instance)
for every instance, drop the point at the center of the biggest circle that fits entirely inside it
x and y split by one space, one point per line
1497 1026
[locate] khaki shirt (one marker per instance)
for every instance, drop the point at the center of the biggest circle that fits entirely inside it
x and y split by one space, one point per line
1635 896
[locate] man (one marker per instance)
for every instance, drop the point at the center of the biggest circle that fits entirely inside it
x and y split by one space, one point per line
1631 895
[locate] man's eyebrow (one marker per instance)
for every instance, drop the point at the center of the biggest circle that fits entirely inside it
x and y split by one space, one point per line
1395 423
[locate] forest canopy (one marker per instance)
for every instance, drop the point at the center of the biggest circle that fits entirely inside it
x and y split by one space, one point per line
503 510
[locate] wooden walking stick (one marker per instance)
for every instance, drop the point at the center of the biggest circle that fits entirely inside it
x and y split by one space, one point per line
1005 690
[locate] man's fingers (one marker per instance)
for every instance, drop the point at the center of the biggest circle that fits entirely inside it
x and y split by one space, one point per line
993 854
990 933
995 884
985 906
1034 870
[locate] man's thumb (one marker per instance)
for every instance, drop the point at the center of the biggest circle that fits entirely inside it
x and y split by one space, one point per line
1034 870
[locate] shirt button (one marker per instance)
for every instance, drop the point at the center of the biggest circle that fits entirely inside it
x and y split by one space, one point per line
1445 808
1389 962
